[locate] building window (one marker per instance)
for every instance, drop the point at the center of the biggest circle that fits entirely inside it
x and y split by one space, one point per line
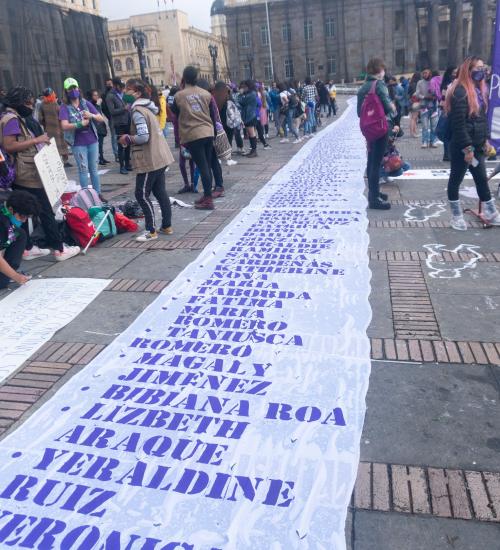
289 73
124 44
310 68
118 65
245 38
247 73
399 20
129 44
332 65
308 29
400 58
268 73
286 32
129 63
117 45
264 36
330 27
112 44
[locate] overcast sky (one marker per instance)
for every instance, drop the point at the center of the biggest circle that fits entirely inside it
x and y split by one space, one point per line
198 10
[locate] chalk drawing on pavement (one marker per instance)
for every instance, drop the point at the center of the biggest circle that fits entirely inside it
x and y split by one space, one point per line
438 269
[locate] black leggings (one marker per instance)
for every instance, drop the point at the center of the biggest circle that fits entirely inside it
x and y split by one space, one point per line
217 170
236 133
123 152
101 147
153 182
47 219
260 133
13 255
376 152
458 170
202 151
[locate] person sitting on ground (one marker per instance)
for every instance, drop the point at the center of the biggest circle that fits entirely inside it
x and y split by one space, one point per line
13 213
22 137
151 156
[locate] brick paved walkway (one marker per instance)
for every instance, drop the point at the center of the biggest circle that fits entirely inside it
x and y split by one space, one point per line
429 475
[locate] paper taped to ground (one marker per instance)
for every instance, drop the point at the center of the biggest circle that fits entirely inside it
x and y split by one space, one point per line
229 414
430 174
34 312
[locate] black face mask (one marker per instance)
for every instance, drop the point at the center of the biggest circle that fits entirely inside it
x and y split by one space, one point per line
24 111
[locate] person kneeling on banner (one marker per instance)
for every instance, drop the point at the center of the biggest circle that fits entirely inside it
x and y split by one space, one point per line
15 211
150 156
21 136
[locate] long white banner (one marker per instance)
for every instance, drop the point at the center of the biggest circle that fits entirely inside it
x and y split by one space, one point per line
229 414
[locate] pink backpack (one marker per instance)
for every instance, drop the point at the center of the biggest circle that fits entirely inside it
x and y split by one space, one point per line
373 122
86 198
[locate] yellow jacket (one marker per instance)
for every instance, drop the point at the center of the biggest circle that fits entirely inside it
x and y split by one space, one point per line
162 115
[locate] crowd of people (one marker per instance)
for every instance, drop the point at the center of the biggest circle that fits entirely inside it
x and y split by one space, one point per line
206 119
456 100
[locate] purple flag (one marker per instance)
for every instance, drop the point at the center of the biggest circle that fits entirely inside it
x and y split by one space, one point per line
494 106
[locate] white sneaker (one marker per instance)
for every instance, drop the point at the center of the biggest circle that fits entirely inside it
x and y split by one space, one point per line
231 162
35 253
68 252
267 136
458 223
284 140
147 237
297 141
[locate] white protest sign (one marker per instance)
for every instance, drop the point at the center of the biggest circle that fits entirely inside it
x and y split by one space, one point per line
34 312
229 414
51 170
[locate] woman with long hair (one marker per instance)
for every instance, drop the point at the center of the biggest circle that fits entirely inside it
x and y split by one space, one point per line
49 119
414 105
466 105
249 106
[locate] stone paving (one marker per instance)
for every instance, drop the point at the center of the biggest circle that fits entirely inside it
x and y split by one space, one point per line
429 476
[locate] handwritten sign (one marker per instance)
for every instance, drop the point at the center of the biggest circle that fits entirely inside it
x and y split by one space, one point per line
229 414
51 170
34 312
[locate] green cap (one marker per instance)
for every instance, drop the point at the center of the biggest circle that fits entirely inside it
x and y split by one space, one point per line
70 82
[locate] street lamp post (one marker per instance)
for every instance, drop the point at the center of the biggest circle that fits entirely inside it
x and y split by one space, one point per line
139 39
269 41
250 64
213 54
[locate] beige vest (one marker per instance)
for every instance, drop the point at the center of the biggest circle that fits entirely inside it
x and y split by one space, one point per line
154 154
194 114
26 172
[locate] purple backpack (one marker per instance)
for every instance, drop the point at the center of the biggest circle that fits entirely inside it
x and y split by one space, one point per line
7 171
373 122
86 198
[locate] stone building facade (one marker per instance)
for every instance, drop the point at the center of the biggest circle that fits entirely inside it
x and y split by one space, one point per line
171 44
334 39
86 6
30 54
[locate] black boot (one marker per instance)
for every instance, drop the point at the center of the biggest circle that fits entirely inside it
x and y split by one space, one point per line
379 204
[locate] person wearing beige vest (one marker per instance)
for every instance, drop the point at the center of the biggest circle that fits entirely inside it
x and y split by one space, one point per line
191 105
150 156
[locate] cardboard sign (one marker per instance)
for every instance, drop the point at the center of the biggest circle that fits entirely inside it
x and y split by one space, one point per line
51 170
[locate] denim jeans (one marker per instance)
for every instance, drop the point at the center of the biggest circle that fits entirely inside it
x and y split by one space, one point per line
288 124
86 159
165 131
310 125
276 116
429 124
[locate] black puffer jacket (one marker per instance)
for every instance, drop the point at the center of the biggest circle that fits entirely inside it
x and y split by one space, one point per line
465 129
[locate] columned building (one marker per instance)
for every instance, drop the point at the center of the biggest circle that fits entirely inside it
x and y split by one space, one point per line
171 44
85 6
334 39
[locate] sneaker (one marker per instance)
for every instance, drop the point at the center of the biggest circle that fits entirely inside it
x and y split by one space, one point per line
218 192
284 140
129 168
252 154
205 203
297 141
379 205
267 136
267 146
231 162
124 171
68 165
458 223
433 146
35 253
167 230
424 146
185 189
67 253
148 236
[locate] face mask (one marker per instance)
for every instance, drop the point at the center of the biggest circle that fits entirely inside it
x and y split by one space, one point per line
14 221
74 94
128 98
478 75
24 111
